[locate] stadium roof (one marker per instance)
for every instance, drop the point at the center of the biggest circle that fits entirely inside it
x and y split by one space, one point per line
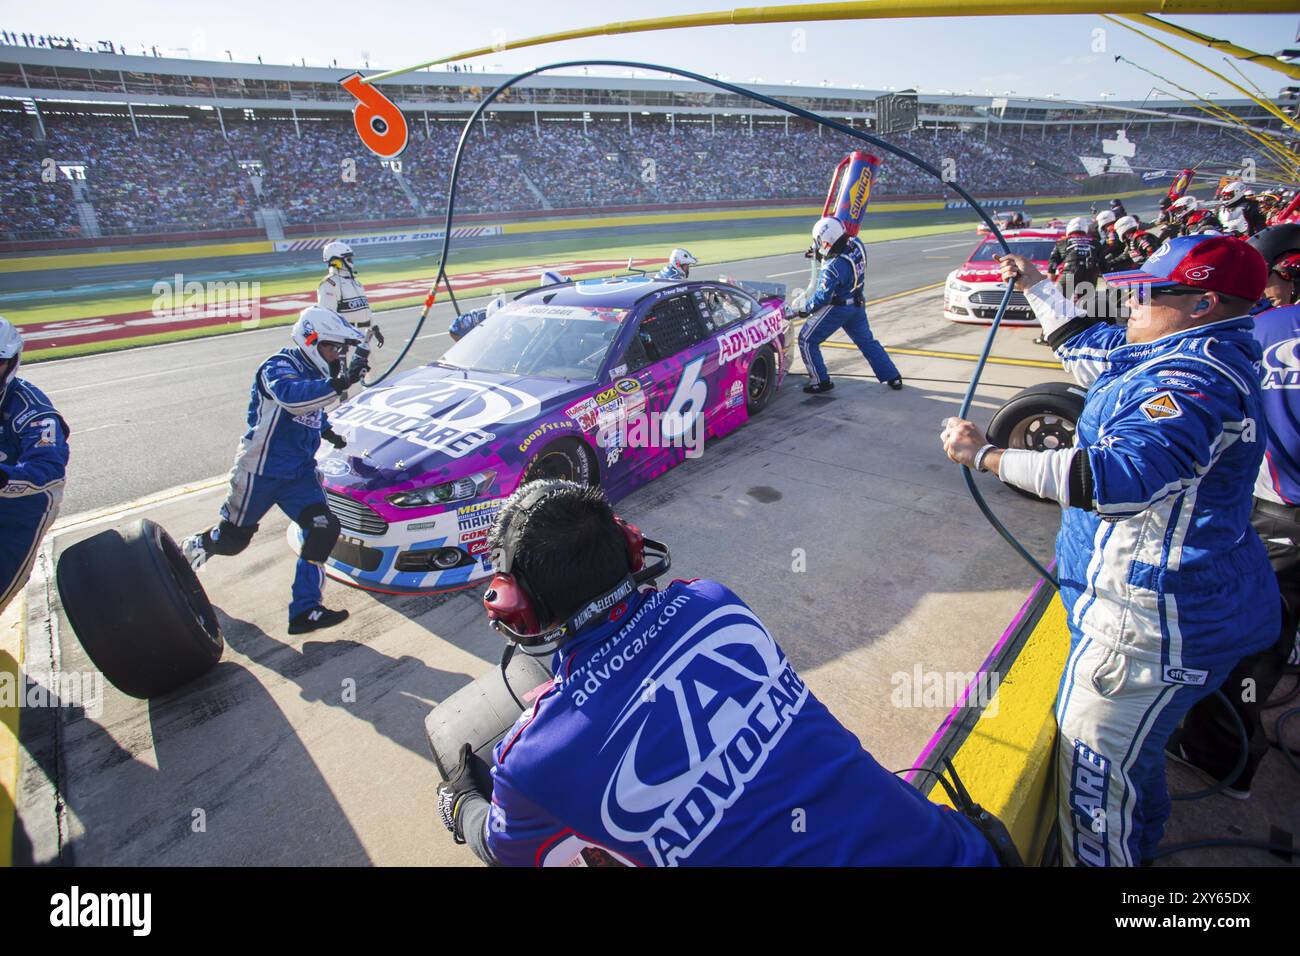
70 76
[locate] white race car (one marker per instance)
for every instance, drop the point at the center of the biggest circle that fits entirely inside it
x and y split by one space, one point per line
974 290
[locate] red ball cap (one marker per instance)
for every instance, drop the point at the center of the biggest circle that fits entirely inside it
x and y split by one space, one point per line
1213 263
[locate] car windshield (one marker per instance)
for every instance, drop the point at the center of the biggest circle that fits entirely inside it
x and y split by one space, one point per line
551 341
1035 249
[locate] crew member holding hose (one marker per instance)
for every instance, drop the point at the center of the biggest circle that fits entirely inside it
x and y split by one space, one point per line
1165 585
676 732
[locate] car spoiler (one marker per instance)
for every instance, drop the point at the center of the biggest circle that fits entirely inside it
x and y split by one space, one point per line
759 290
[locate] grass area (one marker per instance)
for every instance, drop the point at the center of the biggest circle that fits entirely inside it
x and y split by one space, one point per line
709 244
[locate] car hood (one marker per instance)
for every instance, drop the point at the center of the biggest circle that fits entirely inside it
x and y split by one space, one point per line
436 420
981 272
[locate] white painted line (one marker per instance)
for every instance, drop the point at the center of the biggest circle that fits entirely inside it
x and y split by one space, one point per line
93 519
955 245
796 272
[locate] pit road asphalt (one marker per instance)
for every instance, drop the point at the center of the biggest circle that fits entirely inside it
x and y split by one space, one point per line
152 418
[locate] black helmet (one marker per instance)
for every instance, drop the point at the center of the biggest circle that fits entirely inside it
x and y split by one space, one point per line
1165 202
1275 241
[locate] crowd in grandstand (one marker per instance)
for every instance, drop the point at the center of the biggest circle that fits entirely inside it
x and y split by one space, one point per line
182 173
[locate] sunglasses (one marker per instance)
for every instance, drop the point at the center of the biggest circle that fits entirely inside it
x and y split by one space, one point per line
1142 294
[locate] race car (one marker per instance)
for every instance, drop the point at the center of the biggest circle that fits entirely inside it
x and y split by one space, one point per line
605 381
974 291
1004 220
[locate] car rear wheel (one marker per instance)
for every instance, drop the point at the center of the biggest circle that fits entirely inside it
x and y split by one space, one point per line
566 460
1040 418
760 380
139 610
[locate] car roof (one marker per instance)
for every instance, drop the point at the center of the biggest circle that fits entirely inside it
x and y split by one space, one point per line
621 292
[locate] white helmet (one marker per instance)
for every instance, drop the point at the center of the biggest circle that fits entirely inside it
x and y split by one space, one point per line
1077 224
1231 192
1105 218
1124 225
551 277
681 259
826 233
317 324
1185 204
337 250
11 347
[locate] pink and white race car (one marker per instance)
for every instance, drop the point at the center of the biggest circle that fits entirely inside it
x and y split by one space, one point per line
974 290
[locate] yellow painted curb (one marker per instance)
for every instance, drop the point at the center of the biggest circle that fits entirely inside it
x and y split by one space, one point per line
1007 760
12 624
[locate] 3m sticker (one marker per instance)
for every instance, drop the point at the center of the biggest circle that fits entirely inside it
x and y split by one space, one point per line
1162 406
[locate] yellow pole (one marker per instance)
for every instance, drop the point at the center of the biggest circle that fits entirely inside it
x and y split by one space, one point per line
1217 75
1227 46
866 10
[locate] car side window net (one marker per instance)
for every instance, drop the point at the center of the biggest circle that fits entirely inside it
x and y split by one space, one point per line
671 326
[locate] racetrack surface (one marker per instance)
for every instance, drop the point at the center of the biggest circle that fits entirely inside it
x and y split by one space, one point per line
152 418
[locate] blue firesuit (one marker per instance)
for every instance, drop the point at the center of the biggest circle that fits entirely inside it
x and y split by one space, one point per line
677 733
838 302
672 274
33 461
276 466
1165 584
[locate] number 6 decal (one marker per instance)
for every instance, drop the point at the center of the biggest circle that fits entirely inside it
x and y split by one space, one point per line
378 121
687 402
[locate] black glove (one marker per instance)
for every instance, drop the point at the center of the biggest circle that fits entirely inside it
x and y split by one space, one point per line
378 335
333 437
339 377
472 775
359 366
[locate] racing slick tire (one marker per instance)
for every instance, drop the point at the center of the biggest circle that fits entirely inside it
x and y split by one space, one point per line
568 459
479 714
760 380
1039 418
139 610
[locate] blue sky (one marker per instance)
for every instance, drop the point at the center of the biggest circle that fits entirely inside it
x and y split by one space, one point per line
1030 55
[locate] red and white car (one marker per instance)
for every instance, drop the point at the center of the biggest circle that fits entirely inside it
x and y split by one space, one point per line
974 290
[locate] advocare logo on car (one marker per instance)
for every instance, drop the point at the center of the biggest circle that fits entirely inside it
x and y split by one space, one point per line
450 416
751 335
720 706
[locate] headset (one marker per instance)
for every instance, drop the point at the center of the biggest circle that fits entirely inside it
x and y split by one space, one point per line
517 612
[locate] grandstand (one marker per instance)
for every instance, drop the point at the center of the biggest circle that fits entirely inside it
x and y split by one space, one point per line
119 148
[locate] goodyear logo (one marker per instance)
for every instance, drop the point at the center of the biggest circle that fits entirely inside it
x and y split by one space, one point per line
1162 406
541 430
859 193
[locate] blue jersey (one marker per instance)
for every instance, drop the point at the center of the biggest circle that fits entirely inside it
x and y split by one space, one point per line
841 279
676 732
1278 331
1161 563
671 273
286 414
33 449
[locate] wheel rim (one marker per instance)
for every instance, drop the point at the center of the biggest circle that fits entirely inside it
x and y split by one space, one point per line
557 465
1043 432
759 376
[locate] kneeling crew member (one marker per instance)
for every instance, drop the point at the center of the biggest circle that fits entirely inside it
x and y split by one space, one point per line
276 461
33 462
676 731
1165 584
839 302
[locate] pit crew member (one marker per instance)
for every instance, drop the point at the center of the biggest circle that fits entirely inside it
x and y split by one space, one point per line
1111 246
1239 212
1075 261
461 325
1210 740
33 464
1139 245
340 291
276 460
839 301
676 732
679 265
1165 587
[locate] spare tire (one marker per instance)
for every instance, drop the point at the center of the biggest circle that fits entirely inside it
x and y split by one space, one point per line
139 610
1039 418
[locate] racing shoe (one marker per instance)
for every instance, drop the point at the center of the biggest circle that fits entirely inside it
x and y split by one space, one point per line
818 388
195 553
895 383
314 620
